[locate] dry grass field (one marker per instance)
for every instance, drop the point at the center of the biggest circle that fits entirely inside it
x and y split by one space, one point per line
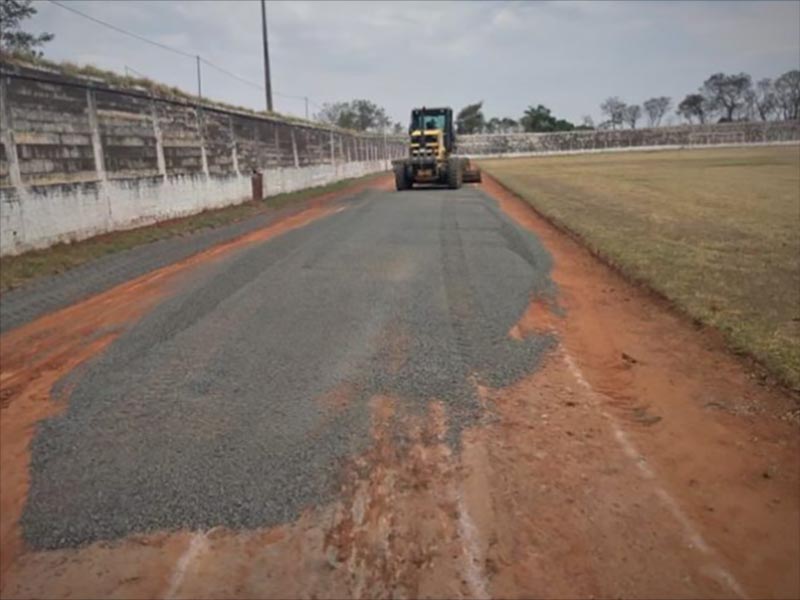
717 231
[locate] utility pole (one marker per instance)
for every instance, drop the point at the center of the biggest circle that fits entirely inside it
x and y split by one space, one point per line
306 99
199 83
385 153
267 83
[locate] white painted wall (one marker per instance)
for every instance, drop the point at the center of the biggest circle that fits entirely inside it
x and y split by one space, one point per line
37 217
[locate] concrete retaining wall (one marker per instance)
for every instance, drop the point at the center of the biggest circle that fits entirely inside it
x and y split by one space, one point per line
79 158
622 139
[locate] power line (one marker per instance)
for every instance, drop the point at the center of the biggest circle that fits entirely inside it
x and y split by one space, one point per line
290 96
176 51
248 82
253 83
228 73
120 30
134 71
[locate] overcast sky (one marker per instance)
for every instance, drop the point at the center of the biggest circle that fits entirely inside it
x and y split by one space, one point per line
568 56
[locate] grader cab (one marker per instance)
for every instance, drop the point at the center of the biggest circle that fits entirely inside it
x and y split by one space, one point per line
431 153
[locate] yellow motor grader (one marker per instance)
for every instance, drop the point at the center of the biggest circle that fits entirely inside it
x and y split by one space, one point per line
431 154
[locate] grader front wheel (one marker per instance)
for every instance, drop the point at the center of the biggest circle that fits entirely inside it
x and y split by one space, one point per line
401 179
454 174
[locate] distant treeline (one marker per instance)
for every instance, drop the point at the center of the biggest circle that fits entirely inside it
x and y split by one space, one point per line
722 98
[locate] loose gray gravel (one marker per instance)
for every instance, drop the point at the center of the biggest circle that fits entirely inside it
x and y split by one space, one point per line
50 293
208 411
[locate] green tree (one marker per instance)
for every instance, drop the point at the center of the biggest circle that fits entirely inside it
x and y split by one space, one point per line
361 115
540 119
337 113
369 116
766 101
656 108
563 125
727 93
614 108
787 93
632 114
760 100
508 125
12 37
470 119
694 106
501 125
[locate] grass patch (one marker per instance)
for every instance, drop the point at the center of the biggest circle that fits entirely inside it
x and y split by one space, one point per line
716 231
16 270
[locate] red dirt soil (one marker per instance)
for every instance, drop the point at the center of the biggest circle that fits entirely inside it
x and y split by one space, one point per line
723 448
35 356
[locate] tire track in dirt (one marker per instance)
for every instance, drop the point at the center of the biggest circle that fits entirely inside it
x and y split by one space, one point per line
399 527
695 539
719 450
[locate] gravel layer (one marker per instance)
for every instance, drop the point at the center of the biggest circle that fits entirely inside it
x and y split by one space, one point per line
47 294
211 410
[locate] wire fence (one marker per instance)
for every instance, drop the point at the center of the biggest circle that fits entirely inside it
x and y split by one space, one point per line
308 102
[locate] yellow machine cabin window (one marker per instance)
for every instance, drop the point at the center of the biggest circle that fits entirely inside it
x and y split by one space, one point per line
428 122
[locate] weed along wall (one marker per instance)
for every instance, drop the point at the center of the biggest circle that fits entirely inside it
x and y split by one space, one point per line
603 140
79 158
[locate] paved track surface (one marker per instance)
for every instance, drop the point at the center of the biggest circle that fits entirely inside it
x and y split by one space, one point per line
237 400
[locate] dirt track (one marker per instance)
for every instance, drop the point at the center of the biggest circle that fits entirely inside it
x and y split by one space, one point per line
499 420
